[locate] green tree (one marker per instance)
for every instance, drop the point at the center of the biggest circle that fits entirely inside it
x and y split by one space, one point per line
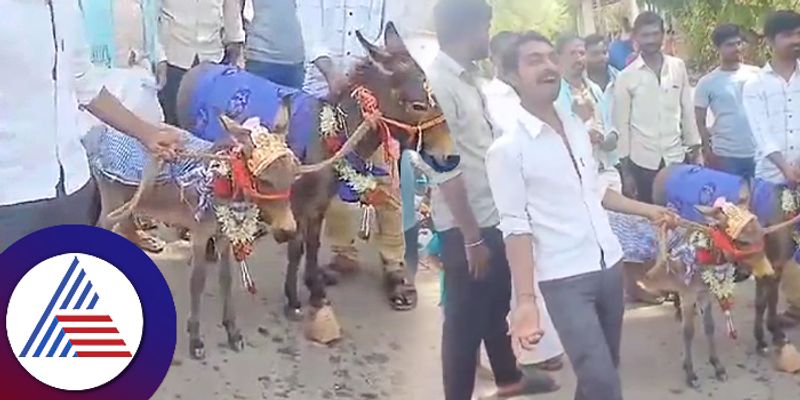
696 20
546 16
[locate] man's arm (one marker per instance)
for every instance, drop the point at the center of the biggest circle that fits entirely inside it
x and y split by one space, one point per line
616 202
504 171
622 115
691 136
232 21
701 115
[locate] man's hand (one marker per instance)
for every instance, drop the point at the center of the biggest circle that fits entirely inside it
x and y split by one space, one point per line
233 53
525 329
163 140
478 258
662 216
596 137
696 156
792 174
161 74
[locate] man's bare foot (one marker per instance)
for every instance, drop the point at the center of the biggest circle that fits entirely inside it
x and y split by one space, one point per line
551 365
531 384
147 242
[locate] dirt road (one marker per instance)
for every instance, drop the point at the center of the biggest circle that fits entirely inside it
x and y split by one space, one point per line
389 355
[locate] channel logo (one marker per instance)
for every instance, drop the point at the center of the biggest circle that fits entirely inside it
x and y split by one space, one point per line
79 341
88 316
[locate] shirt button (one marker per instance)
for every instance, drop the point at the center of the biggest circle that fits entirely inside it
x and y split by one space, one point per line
350 13
348 53
350 33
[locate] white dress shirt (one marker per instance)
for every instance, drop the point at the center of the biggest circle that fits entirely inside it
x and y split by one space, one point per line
196 29
561 210
773 108
654 115
129 36
329 28
40 89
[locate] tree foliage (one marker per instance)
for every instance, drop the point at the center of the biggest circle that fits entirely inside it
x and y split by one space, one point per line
696 20
546 16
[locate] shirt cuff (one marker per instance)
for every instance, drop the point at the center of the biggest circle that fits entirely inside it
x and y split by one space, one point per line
514 225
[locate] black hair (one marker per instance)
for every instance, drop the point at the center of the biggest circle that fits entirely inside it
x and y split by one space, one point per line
781 21
511 56
564 39
594 39
500 42
725 32
648 18
454 18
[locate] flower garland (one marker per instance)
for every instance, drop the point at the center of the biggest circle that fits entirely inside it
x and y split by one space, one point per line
362 184
789 202
239 223
720 281
331 121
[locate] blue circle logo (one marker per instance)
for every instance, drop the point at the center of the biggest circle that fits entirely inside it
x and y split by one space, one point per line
88 315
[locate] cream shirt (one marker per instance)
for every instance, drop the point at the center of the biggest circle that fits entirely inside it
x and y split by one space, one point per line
464 105
654 114
197 28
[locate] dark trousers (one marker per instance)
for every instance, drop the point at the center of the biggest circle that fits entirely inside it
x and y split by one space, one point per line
79 208
587 313
168 96
474 312
744 167
290 75
644 178
412 251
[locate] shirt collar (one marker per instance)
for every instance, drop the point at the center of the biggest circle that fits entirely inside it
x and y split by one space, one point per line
447 63
534 126
768 68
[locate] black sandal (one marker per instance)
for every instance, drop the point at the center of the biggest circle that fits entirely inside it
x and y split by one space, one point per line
402 294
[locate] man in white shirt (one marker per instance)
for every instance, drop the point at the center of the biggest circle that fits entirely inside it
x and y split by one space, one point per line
653 109
772 104
330 28
196 31
501 99
44 171
555 226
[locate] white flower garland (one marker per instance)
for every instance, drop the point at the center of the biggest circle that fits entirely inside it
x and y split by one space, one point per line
360 183
789 204
700 239
719 281
240 231
330 121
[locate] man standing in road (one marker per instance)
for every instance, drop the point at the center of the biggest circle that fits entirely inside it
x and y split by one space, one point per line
653 109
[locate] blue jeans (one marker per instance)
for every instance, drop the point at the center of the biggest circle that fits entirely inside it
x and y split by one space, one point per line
744 167
290 75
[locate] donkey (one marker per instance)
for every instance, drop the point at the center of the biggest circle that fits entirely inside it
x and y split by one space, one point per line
182 195
401 106
691 190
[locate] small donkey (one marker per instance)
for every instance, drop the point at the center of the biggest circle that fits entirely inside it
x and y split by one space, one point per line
182 195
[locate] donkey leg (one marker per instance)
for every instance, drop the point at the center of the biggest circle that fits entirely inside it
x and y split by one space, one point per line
235 339
197 285
762 296
293 309
688 308
779 338
314 278
709 327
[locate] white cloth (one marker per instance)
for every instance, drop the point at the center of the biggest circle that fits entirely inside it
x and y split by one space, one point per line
500 99
550 346
39 119
197 28
773 108
329 29
562 210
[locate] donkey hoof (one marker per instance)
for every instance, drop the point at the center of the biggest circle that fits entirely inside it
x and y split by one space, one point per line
762 349
236 342
293 313
693 381
721 375
197 349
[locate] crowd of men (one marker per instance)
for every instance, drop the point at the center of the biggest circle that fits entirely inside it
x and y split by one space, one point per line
515 237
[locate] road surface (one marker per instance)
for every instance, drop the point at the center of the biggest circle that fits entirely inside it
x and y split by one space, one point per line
395 356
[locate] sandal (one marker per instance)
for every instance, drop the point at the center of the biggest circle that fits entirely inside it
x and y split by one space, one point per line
401 292
149 243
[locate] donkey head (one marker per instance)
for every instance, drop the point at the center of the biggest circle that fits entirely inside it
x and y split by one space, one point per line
404 96
272 165
739 235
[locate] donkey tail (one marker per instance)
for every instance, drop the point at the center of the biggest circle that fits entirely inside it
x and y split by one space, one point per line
149 176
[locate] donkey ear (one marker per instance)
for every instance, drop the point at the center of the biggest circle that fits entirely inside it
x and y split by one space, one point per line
239 133
376 53
393 41
280 125
713 215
